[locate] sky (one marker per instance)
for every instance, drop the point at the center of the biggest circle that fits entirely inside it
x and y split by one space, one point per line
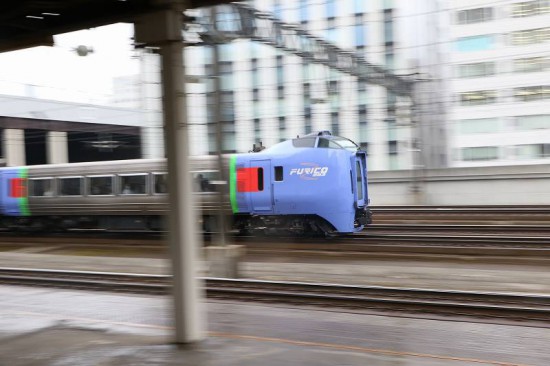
59 73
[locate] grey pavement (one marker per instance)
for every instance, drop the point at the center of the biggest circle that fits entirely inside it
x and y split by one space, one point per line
52 327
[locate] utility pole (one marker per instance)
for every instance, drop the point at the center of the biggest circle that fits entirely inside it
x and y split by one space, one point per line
221 240
417 184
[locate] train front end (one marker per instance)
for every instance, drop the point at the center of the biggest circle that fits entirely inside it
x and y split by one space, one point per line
316 184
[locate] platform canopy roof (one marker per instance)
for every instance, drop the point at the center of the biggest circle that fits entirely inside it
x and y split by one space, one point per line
29 23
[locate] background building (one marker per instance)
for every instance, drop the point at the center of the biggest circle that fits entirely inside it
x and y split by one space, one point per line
500 58
43 131
268 95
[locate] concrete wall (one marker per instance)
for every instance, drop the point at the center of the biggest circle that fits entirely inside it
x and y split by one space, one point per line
502 185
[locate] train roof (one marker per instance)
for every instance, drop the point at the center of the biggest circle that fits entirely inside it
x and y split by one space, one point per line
321 139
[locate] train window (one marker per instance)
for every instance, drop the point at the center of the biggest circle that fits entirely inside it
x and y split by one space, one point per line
304 142
260 179
41 187
278 173
133 184
359 180
322 143
70 186
326 143
100 185
203 181
345 143
161 183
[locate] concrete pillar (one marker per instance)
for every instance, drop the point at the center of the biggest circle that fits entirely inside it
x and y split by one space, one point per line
56 147
152 139
14 147
152 142
164 29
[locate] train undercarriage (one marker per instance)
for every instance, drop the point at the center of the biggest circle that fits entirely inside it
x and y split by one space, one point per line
295 225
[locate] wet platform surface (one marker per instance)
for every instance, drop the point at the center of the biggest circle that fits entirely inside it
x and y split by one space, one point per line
43 327
52 327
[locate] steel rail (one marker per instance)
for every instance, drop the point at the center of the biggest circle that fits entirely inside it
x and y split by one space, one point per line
480 228
507 306
363 244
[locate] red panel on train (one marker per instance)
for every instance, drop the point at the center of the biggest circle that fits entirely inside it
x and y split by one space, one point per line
18 187
247 180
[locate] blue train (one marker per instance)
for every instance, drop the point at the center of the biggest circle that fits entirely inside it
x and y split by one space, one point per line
315 184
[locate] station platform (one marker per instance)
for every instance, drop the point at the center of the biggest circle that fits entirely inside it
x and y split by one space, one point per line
44 326
52 327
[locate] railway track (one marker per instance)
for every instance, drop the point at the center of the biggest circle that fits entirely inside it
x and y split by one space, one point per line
503 306
482 214
382 240
459 229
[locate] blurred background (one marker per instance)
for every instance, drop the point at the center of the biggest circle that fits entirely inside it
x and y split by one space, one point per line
476 70
450 100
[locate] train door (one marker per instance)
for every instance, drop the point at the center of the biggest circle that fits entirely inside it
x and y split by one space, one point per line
360 180
262 199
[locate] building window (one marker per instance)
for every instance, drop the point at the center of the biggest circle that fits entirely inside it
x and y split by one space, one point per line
277 10
477 15
307 122
226 19
530 8
479 125
480 153
360 36
332 35
388 26
478 69
303 11
362 113
257 129
228 140
478 97
335 123
331 8
280 92
227 106
531 93
392 147
226 75
533 151
282 128
389 59
530 36
532 64
280 72
360 6
360 30
475 43
534 122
